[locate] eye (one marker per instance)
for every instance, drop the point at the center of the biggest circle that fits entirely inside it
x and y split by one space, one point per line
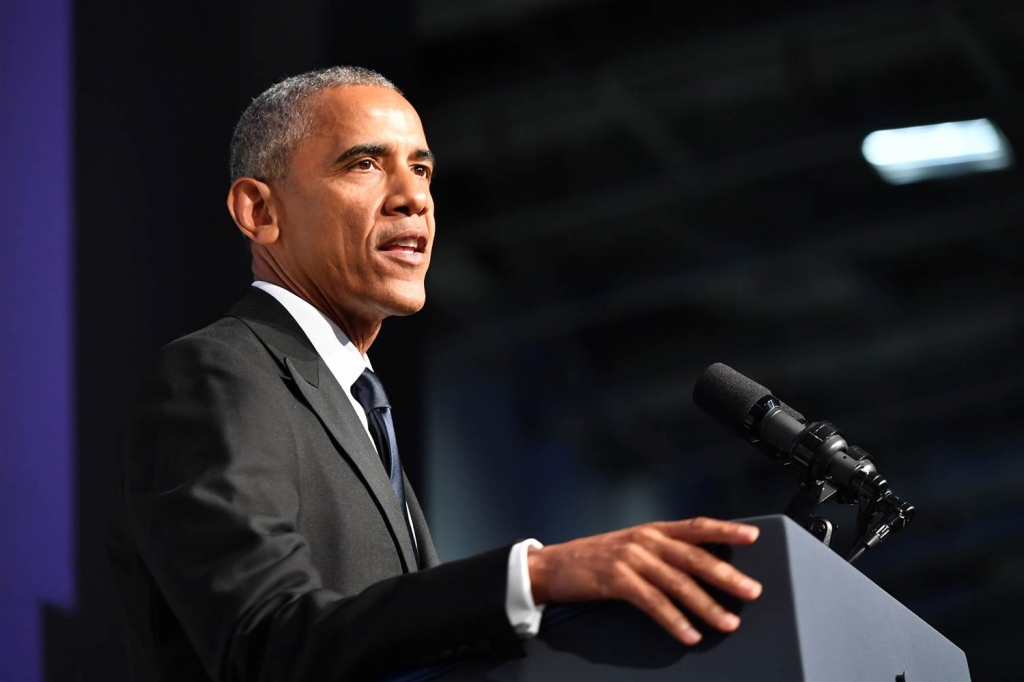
363 164
422 170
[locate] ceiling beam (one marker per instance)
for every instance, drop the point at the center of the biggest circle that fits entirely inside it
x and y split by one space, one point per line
701 287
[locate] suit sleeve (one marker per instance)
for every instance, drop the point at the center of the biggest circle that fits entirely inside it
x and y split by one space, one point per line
210 501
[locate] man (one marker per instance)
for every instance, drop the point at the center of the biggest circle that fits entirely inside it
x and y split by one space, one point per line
261 524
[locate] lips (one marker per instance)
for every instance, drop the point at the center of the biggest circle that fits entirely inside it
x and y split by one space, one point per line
413 241
408 245
407 249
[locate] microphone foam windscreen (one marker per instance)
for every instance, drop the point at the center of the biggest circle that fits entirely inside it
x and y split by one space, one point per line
727 395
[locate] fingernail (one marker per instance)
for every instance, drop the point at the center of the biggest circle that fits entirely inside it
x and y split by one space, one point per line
691 636
729 621
753 532
751 587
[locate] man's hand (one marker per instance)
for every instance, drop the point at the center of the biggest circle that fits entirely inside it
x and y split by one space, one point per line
649 566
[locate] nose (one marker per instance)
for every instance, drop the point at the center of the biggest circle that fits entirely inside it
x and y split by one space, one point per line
409 195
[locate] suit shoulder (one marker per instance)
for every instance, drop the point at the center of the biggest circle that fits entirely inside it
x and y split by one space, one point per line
228 342
228 332
214 399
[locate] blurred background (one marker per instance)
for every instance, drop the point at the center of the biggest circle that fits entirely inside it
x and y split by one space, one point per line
627 192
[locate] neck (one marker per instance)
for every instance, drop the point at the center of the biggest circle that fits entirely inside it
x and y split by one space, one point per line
360 330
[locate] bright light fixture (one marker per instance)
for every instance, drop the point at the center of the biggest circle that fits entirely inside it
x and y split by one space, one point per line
909 155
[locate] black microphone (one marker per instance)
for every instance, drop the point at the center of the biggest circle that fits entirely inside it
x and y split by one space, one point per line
816 451
747 407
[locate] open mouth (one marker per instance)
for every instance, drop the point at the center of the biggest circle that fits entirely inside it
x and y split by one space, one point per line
410 245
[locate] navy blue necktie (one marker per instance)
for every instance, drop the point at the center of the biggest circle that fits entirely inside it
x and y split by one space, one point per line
370 393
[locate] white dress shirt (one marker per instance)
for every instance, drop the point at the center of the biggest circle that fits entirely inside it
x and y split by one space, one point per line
346 363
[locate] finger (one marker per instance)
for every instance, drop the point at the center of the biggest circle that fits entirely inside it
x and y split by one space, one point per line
703 530
655 604
700 563
685 590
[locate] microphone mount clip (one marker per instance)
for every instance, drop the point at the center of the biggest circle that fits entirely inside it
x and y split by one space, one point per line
829 469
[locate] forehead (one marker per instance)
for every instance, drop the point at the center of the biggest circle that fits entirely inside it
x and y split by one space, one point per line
357 114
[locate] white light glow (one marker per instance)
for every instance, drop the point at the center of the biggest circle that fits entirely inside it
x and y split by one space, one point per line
909 155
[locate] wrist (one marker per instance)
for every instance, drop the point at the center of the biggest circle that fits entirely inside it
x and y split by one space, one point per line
535 565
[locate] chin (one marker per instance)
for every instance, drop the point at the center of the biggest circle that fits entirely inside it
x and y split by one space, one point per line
408 309
405 300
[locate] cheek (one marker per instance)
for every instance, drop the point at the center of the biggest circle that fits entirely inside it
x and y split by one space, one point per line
353 245
352 217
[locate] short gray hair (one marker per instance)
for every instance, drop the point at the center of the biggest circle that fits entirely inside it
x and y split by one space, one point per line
278 119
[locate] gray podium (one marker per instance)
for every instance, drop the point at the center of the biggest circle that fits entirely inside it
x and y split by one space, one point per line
818 619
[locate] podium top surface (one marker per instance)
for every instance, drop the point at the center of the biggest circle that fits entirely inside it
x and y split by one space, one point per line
819 618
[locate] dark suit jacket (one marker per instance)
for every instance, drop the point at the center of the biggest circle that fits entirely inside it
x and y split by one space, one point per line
254 534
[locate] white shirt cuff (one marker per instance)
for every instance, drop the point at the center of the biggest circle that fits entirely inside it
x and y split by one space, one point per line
522 613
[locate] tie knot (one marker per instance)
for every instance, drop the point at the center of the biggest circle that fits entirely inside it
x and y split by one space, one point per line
369 391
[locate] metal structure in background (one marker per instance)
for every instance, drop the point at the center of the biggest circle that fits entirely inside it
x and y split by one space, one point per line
629 191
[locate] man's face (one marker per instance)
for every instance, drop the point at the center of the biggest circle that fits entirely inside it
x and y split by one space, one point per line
355 211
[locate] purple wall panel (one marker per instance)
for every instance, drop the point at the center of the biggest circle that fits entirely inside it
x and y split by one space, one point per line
36 327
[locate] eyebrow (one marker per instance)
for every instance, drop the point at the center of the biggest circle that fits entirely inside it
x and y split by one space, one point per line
425 155
376 149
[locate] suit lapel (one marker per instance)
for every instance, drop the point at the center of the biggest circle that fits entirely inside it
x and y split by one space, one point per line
281 334
428 554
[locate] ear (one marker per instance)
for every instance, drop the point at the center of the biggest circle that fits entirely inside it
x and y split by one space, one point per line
250 205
